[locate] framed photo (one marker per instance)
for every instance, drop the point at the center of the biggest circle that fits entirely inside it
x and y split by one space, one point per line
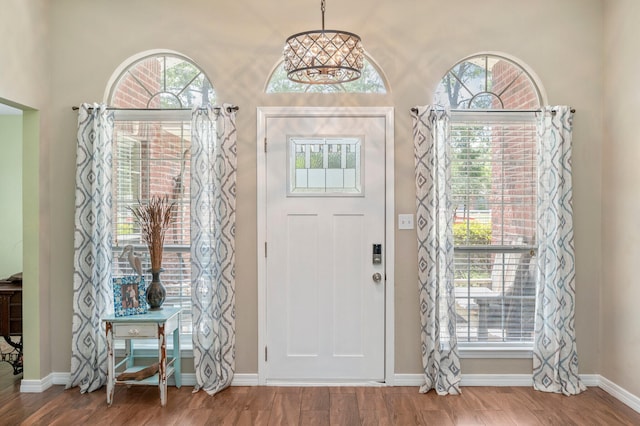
129 296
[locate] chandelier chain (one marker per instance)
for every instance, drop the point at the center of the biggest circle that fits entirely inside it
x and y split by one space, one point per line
322 9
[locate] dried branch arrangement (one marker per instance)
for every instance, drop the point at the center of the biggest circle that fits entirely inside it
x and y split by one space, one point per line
154 218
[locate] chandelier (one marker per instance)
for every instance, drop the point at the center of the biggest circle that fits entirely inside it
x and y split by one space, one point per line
323 56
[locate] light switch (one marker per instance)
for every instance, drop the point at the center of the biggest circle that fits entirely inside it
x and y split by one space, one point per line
405 221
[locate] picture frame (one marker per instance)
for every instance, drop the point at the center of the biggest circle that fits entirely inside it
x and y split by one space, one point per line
129 296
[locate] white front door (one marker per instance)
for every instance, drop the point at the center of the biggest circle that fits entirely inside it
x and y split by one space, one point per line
325 247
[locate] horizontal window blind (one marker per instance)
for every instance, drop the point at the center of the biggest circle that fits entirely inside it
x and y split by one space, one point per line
152 157
494 181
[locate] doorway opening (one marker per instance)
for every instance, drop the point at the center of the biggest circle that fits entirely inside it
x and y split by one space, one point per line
11 250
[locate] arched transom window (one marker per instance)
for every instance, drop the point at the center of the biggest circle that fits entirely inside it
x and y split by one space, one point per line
371 81
162 81
487 82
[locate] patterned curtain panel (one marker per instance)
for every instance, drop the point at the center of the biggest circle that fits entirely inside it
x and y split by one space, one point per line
213 221
92 293
555 359
434 220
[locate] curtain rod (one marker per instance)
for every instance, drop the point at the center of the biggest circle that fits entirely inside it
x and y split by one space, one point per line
229 109
415 110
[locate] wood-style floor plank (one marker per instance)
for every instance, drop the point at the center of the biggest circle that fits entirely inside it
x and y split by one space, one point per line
286 408
310 406
315 399
436 418
344 407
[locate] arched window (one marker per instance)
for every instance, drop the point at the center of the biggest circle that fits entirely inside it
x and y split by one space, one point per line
371 81
494 188
488 82
153 97
161 81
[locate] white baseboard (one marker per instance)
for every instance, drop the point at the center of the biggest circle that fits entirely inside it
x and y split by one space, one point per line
60 378
620 393
239 379
489 380
408 380
471 380
250 379
36 386
245 380
591 380
188 379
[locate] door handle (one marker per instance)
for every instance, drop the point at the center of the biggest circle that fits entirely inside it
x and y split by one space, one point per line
377 277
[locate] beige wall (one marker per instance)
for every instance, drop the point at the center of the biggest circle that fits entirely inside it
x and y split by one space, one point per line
23 49
620 292
25 84
237 43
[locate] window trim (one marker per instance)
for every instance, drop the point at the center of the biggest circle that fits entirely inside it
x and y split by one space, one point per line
473 351
490 115
157 115
182 114
496 350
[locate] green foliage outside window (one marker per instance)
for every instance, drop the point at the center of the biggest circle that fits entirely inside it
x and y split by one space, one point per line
471 234
478 265
124 228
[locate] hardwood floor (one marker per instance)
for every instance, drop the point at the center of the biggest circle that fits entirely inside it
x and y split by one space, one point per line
311 406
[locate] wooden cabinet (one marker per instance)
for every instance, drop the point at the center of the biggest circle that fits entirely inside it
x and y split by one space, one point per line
10 308
11 322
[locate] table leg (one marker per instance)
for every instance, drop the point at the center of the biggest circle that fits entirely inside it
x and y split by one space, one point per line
128 349
177 372
111 378
162 342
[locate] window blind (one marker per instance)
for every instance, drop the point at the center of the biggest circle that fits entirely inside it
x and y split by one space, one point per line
494 181
152 157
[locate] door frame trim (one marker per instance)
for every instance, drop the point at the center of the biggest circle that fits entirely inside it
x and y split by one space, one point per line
263 115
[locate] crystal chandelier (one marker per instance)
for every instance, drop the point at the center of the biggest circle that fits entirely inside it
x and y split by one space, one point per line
323 57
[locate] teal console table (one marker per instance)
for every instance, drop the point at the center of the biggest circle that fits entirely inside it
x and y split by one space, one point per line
152 325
